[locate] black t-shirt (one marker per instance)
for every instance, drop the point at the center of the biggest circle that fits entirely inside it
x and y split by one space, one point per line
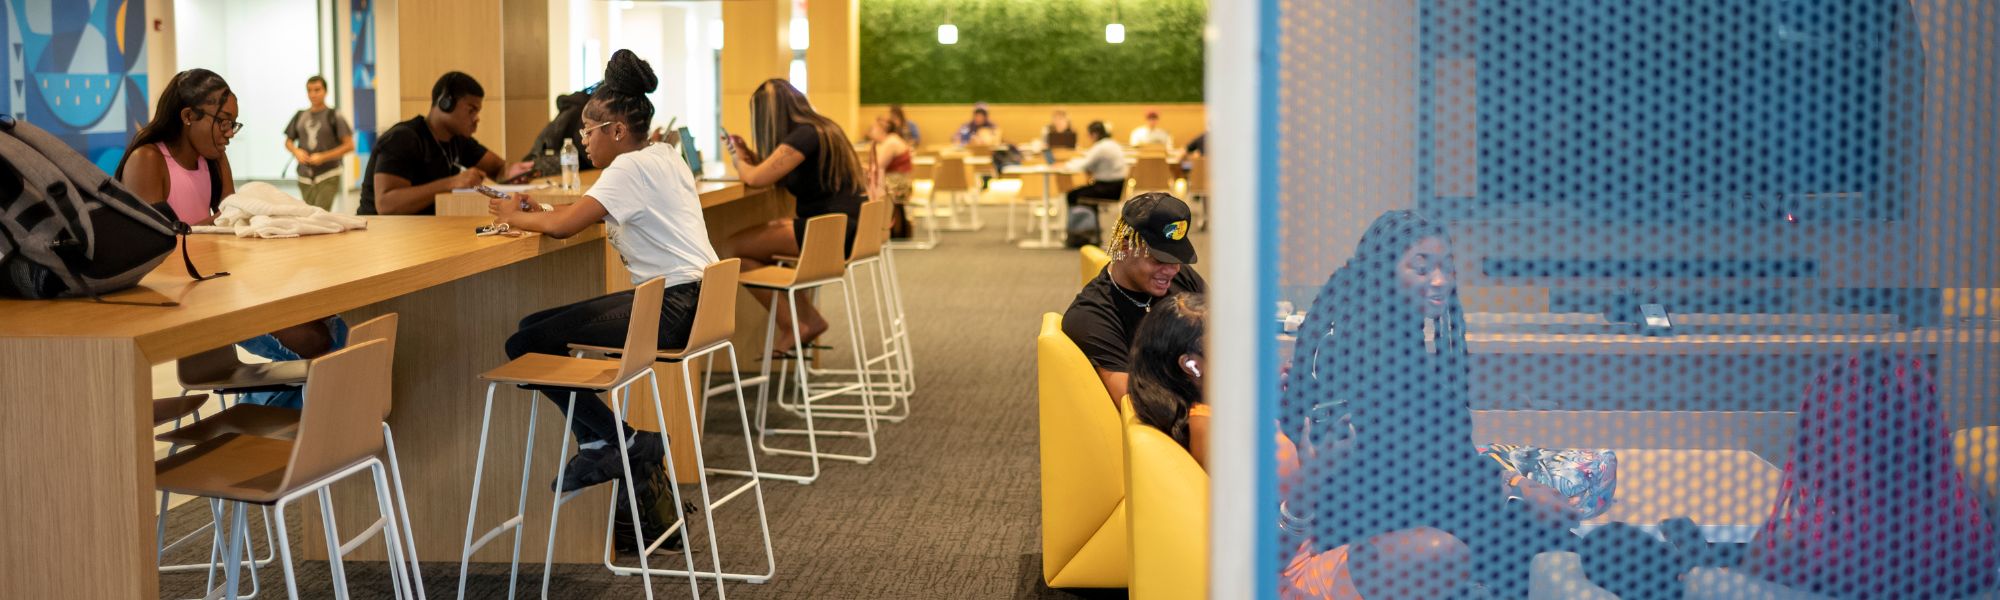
1104 317
814 198
408 150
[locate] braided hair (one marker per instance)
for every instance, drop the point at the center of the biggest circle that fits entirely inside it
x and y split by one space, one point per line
622 95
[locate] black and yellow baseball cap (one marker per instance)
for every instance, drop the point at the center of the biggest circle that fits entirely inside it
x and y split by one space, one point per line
1163 222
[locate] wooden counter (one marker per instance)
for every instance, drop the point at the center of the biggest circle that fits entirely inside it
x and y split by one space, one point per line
77 426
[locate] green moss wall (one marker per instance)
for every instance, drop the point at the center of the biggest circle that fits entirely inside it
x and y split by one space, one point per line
1030 51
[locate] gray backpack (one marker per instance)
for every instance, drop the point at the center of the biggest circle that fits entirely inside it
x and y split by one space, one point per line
66 228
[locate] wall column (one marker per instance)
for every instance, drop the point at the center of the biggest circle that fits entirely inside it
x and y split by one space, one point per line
833 62
754 48
436 36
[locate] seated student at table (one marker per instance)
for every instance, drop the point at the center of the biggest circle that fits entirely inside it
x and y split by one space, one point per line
809 155
1196 148
889 165
179 162
910 132
1151 258
545 152
418 159
1104 162
1872 504
1377 400
1151 134
1166 381
980 131
1058 134
651 211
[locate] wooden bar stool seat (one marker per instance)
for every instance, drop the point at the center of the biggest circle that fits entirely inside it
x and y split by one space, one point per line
247 419
556 371
168 410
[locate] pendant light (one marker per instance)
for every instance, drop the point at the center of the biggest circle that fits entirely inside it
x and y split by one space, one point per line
1114 33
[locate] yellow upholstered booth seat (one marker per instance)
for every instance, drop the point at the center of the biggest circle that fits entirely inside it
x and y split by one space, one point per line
1166 495
1094 259
1083 468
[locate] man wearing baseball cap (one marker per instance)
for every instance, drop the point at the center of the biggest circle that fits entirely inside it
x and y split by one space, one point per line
1151 258
1151 134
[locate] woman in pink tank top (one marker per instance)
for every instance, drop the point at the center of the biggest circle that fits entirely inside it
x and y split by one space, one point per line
179 160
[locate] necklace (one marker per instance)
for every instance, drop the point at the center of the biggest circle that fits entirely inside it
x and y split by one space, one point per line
1147 305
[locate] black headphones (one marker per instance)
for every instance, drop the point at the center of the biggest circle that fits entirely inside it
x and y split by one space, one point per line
446 101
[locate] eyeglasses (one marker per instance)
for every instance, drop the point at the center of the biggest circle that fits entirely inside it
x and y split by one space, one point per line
587 130
229 126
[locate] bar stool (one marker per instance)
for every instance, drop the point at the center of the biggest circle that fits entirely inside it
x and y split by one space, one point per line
614 377
819 265
283 424
1197 189
923 183
897 376
953 177
220 372
714 326
346 392
1150 174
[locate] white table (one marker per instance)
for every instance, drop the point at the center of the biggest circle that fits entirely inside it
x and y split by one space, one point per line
1048 173
1728 493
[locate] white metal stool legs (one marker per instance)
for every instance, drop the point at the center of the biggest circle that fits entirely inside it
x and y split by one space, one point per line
807 397
754 485
890 365
386 524
521 509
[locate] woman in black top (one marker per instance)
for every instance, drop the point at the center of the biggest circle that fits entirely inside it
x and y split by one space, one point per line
810 156
1377 402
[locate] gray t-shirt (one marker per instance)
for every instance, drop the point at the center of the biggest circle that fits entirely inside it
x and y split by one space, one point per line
318 132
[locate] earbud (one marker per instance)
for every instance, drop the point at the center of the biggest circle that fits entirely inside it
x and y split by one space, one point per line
1191 368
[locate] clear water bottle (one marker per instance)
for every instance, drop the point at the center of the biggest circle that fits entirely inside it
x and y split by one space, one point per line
569 165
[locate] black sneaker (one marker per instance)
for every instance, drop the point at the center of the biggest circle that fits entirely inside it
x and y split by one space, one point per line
652 493
586 468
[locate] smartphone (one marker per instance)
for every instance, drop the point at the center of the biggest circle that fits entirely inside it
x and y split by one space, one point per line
485 230
489 191
727 139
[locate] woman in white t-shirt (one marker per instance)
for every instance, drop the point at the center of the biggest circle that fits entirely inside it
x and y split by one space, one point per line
651 212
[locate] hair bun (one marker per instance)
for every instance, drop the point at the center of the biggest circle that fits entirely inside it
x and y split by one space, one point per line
627 74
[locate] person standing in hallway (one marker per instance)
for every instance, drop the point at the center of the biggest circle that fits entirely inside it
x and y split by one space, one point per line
811 157
1151 259
318 137
431 154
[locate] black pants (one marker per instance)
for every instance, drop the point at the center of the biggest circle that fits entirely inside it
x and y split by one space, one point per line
1103 191
600 321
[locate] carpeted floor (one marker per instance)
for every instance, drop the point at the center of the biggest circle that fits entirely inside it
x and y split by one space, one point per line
949 510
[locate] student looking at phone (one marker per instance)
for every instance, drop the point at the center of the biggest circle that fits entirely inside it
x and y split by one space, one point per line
651 212
809 155
418 159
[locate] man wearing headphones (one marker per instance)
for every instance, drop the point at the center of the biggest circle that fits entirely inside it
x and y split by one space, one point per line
418 159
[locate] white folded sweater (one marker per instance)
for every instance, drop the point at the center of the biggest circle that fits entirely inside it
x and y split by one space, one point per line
258 209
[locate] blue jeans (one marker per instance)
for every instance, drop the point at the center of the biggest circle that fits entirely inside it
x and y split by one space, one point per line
267 346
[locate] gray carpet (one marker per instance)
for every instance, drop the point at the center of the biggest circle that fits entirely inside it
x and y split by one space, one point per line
949 510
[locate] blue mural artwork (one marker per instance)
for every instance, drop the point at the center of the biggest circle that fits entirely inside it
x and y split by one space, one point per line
78 69
362 25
